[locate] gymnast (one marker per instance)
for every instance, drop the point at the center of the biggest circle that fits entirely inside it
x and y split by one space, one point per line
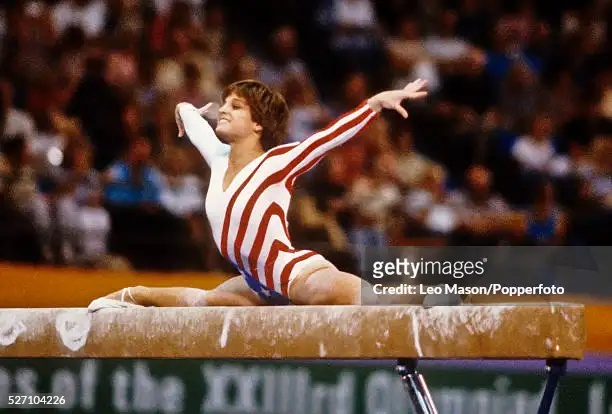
251 182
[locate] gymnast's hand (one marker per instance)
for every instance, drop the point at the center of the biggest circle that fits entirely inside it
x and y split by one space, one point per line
120 299
179 121
393 99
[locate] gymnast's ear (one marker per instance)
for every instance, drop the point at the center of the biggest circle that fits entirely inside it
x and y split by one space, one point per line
258 128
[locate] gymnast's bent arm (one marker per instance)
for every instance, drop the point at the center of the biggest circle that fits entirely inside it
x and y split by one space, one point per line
189 120
306 154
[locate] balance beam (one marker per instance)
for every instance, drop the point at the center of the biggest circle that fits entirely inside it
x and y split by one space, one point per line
521 331
553 331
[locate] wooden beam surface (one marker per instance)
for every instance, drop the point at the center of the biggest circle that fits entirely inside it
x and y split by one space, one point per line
501 331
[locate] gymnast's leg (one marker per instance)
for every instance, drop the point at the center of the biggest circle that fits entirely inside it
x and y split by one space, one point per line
185 297
330 286
326 286
233 292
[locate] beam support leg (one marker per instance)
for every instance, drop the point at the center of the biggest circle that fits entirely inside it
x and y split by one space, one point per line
415 384
555 369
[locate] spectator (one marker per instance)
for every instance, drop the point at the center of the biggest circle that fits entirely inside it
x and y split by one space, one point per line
482 214
354 19
355 35
48 142
13 121
192 90
306 115
604 84
330 187
23 192
409 57
426 207
123 18
477 198
182 48
133 180
247 67
561 97
536 152
508 50
89 15
100 108
215 33
371 198
39 35
596 170
312 226
412 167
354 91
192 6
469 85
77 182
546 223
94 225
180 191
19 239
520 95
283 59
84 225
71 54
235 55
443 45
177 15
122 72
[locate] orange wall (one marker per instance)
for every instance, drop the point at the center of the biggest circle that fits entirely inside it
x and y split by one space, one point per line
599 328
43 287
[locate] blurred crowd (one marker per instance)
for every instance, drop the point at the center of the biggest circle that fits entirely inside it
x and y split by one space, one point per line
513 146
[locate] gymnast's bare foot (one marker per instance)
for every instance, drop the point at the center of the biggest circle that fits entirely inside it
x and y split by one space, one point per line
121 299
140 296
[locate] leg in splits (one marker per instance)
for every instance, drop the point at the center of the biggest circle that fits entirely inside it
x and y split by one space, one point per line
233 292
329 286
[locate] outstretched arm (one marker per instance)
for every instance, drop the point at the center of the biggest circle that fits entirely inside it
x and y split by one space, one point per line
310 151
189 120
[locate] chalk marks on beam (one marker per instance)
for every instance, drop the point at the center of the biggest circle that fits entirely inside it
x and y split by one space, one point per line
10 328
415 332
73 327
322 350
227 321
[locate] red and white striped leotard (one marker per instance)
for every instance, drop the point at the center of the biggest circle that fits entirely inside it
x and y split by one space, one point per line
249 218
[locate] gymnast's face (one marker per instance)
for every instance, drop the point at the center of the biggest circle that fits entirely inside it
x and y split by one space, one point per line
235 120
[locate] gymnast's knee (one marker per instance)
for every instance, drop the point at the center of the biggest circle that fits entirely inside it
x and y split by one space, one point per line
330 297
220 298
330 294
330 287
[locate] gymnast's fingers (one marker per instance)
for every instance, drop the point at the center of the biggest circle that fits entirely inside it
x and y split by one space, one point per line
205 108
399 108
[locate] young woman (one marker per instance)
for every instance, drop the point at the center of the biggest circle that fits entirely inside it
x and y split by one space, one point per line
252 177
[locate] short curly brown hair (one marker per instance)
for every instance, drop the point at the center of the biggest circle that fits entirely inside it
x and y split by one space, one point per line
268 108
